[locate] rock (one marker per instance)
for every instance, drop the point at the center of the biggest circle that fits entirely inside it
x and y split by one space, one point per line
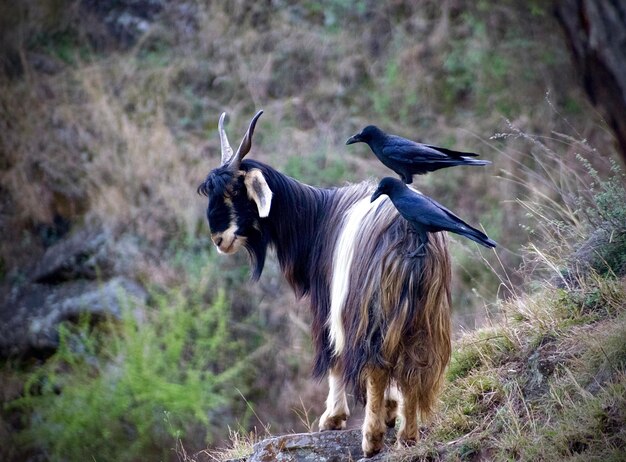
31 316
88 254
331 446
85 273
126 20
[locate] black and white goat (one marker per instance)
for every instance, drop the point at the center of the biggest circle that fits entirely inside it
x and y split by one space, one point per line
381 320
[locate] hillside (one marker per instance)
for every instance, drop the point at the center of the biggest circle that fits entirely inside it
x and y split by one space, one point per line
547 383
124 334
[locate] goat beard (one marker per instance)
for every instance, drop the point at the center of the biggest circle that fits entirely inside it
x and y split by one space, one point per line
256 245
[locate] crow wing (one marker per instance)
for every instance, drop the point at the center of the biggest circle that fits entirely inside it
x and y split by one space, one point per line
452 153
429 212
401 149
410 152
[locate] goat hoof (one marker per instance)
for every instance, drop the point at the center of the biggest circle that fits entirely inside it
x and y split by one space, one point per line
373 443
335 422
400 444
404 440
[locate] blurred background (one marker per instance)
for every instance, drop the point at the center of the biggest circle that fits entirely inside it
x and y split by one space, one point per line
124 334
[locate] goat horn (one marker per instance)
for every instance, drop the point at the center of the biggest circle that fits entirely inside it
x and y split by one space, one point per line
246 142
227 151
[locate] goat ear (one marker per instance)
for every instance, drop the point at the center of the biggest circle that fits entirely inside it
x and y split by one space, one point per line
259 191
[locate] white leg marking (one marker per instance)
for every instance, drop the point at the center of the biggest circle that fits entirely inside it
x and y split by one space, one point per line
392 393
337 412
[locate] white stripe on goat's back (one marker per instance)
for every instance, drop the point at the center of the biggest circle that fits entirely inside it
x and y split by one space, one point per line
342 265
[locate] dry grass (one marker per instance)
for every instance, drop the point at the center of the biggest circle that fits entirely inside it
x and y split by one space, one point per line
115 165
240 445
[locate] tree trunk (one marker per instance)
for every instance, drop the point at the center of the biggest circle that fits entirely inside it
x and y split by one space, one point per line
596 34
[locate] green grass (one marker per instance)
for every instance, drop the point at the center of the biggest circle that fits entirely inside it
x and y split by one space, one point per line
488 346
317 169
558 399
129 390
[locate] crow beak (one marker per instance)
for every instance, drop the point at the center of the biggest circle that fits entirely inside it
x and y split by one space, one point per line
376 195
354 139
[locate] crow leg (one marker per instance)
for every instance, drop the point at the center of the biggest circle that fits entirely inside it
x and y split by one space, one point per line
417 252
421 249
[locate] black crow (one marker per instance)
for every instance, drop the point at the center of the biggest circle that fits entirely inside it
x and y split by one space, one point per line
425 215
408 158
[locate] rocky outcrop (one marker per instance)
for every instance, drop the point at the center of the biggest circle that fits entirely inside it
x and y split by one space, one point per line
125 20
86 254
84 274
332 446
30 322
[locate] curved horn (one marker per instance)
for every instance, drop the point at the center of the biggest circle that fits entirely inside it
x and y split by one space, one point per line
227 151
246 142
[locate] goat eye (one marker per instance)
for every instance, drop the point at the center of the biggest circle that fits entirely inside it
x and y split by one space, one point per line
230 193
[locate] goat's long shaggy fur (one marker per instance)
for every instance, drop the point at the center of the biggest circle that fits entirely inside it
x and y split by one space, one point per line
394 310
396 313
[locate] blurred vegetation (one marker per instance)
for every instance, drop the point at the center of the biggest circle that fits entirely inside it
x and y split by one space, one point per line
108 113
131 391
165 374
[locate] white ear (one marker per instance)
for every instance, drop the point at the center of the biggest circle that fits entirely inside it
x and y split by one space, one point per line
259 191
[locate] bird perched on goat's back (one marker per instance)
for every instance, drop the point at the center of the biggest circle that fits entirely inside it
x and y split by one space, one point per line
408 158
425 215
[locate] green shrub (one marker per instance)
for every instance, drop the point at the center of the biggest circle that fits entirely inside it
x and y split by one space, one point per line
584 232
130 390
606 214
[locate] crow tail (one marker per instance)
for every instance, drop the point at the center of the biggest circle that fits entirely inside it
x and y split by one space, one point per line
477 236
476 162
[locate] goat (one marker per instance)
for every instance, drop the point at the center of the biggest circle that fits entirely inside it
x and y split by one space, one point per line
380 319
